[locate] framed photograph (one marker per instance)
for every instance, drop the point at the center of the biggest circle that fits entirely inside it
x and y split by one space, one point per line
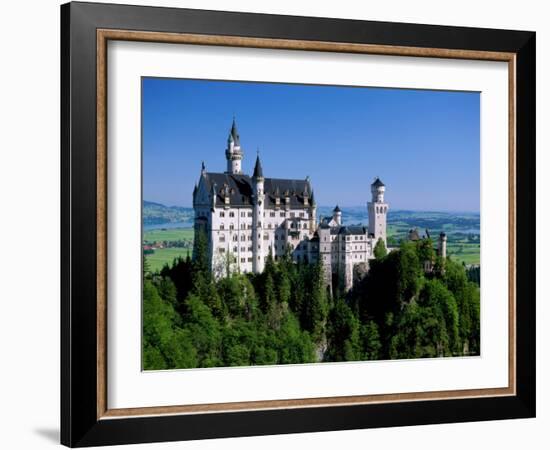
276 224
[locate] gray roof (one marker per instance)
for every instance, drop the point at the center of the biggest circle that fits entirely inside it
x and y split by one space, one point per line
349 230
353 229
239 188
337 209
234 134
414 235
377 183
258 171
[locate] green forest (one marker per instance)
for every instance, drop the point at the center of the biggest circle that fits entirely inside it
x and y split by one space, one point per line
286 315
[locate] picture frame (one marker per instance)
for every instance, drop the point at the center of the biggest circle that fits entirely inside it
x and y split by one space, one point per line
86 418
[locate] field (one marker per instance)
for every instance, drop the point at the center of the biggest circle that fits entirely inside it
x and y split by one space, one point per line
164 256
176 242
168 234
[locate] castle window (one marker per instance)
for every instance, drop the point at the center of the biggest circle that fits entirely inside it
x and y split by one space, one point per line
266 237
250 214
231 226
222 226
301 214
249 226
249 259
250 248
243 226
243 214
231 214
250 237
243 237
243 249
282 214
235 249
222 238
272 214
221 250
292 214
243 260
222 214
235 237
305 226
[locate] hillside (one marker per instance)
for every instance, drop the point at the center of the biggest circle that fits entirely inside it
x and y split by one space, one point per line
158 214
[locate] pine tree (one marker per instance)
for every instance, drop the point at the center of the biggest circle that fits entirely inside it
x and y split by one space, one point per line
380 249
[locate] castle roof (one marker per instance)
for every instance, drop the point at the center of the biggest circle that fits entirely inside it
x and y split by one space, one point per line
347 230
258 171
413 235
234 134
337 209
240 190
353 230
377 183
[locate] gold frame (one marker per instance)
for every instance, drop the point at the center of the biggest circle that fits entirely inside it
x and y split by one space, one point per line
103 36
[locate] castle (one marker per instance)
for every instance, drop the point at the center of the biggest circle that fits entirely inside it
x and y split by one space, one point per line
246 218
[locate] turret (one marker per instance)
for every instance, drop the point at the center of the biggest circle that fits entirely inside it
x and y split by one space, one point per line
442 245
233 152
312 212
257 218
377 189
378 210
337 215
213 195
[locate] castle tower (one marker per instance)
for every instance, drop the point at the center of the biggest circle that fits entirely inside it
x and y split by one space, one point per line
233 152
442 245
312 213
337 215
257 218
378 210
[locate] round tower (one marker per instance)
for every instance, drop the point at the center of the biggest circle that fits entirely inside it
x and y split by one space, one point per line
378 210
258 253
233 152
337 215
442 245
377 189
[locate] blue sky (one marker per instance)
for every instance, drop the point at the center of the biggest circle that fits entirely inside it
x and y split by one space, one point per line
424 145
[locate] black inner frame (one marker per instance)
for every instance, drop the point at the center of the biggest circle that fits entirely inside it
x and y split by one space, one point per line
79 424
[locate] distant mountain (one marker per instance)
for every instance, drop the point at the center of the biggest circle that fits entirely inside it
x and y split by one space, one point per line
400 221
158 214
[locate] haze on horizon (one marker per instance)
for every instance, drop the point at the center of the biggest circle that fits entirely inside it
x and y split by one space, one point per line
424 145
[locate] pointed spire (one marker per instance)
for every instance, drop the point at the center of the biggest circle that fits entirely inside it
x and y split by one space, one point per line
258 171
312 198
234 133
337 209
203 168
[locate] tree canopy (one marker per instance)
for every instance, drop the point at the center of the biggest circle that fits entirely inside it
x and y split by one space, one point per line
286 315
